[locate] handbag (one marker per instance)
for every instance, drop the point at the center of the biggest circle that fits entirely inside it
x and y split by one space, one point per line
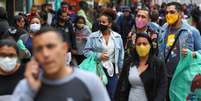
91 64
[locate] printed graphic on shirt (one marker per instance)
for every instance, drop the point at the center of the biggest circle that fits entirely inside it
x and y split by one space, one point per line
170 40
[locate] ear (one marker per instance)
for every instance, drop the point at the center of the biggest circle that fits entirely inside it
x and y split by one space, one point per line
65 46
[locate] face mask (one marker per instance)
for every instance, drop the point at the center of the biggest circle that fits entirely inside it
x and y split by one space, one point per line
143 50
103 28
171 18
80 26
140 23
35 27
8 64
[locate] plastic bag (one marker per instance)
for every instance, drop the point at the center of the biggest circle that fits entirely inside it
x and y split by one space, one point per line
187 68
92 65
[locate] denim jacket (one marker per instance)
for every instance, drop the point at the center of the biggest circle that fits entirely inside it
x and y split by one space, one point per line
188 37
94 45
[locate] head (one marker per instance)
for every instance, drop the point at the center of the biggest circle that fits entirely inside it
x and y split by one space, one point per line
3 13
35 24
154 15
20 21
49 53
142 18
63 16
173 13
83 5
64 6
196 18
44 17
126 11
105 22
80 22
34 10
8 56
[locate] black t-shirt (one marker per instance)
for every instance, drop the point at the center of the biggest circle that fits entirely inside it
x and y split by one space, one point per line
8 83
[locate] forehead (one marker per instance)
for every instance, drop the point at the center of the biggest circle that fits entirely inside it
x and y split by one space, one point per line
103 18
171 8
143 12
44 38
141 39
8 50
35 20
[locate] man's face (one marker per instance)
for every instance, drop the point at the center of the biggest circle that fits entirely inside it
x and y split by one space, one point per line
34 10
64 8
49 53
8 52
64 16
143 14
171 10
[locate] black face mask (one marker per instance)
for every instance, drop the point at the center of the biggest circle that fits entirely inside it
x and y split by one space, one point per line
102 28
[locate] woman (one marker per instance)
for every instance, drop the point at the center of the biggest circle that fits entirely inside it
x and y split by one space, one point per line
108 47
82 32
143 77
25 40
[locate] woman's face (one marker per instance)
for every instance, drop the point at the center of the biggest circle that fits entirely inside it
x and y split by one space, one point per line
142 46
80 23
21 23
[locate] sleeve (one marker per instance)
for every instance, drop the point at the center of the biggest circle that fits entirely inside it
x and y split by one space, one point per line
88 50
72 36
121 55
23 92
96 88
162 83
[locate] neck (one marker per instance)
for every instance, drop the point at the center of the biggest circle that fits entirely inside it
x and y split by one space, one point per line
105 33
141 30
64 71
61 23
143 60
177 24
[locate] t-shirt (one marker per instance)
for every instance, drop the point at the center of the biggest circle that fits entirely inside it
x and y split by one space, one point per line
79 86
173 59
8 83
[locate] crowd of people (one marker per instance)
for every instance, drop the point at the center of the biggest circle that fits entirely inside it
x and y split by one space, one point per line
140 49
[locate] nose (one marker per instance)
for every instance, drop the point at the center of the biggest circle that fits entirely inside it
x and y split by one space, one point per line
46 53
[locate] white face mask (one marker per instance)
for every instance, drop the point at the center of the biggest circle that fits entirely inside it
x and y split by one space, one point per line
35 27
8 64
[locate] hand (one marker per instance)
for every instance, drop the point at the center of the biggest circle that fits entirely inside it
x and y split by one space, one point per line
184 51
104 56
32 75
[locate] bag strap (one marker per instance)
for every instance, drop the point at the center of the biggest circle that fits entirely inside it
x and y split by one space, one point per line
171 48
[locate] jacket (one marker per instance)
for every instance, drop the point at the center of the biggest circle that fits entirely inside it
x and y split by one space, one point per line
94 45
156 92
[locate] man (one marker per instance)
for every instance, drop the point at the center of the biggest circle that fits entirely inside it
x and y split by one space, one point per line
174 28
11 72
47 78
125 20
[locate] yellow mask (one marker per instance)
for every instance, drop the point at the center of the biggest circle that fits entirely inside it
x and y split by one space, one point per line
143 50
171 18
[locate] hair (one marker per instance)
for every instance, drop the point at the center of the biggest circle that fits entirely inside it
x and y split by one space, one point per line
196 17
78 18
154 15
46 29
109 12
10 43
64 3
134 54
144 8
18 18
60 12
177 5
38 17
3 13
83 5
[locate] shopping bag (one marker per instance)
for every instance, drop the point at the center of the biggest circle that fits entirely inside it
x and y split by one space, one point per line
181 84
91 64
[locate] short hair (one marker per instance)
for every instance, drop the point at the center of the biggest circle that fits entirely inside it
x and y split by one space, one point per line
60 12
83 5
64 3
144 8
10 43
154 15
109 13
48 29
177 5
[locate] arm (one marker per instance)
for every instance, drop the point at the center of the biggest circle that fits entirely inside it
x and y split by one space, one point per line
162 83
121 55
23 92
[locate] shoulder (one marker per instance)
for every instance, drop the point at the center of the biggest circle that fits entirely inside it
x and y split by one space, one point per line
95 34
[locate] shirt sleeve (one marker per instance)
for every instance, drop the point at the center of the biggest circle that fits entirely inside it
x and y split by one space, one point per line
23 92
